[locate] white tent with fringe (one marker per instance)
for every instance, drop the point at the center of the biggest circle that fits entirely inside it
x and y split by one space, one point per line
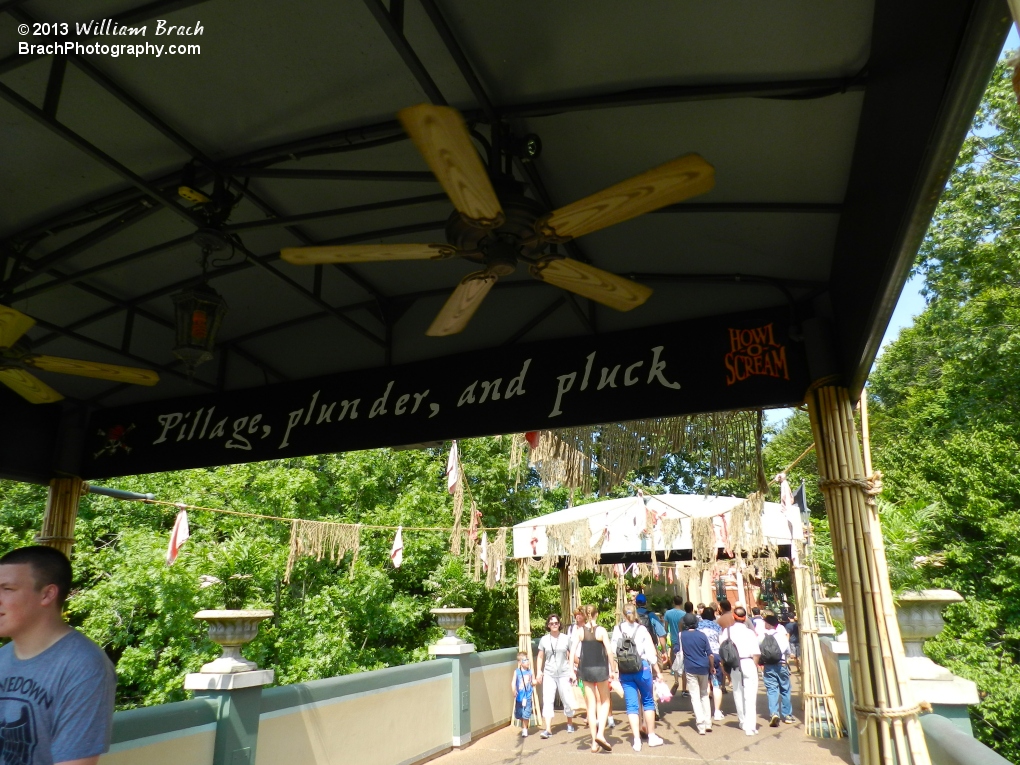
618 528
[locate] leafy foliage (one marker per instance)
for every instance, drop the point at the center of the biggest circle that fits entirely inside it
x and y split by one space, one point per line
332 618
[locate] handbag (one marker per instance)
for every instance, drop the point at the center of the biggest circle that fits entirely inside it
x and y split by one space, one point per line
678 663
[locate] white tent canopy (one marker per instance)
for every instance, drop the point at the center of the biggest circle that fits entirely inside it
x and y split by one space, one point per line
625 521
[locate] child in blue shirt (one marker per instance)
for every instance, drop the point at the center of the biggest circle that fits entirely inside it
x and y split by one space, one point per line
521 688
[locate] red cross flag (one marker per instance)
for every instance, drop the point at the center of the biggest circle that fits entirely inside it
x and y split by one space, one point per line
452 469
178 536
397 551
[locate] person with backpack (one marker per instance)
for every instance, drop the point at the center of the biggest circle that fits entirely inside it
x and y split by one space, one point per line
740 652
775 647
698 665
651 622
637 662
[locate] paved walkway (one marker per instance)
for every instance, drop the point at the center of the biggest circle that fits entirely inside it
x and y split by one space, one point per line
785 745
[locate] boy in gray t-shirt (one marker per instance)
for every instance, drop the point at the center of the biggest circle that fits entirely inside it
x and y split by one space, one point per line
57 687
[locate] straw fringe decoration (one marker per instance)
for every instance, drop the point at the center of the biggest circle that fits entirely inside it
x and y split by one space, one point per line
573 540
496 559
703 547
564 457
746 535
560 464
458 511
323 538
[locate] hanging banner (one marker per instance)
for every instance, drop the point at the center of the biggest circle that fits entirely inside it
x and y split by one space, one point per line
737 361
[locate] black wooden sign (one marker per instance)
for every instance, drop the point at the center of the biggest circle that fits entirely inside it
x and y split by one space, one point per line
716 364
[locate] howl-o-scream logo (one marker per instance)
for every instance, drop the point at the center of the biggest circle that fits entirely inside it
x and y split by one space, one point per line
755 352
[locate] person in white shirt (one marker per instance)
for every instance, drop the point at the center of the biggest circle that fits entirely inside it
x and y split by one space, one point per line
745 677
637 686
553 674
776 675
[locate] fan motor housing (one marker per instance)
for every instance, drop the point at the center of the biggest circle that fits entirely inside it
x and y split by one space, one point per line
517 232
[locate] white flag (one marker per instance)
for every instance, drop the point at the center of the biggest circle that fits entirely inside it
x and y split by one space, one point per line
485 552
178 536
452 469
397 551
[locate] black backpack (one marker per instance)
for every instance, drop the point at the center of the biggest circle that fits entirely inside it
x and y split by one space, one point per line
645 620
729 654
628 660
770 651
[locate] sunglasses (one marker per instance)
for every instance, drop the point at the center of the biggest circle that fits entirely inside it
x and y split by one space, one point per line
553 624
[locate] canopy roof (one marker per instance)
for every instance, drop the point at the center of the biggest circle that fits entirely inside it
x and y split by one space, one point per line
625 521
831 127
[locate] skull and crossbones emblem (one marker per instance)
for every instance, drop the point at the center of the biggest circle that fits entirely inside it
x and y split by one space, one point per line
113 441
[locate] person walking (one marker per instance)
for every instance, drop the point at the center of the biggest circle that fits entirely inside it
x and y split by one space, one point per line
745 676
775 648
552 673
673 617
699 663
793 632
651 622
708 627
636 661
521 688
725 618
590 659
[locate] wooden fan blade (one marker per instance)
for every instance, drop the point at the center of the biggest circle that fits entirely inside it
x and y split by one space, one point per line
593 283
667 184
442 138
462 304
366 253
13 324
94 369
28 386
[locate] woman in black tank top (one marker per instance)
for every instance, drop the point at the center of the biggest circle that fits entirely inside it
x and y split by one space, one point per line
592 662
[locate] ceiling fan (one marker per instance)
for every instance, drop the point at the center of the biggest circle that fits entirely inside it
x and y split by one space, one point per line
16 359
495 225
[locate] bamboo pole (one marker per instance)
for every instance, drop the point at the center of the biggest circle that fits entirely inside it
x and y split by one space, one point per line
524 622
889 730
565 596
821 715
61 513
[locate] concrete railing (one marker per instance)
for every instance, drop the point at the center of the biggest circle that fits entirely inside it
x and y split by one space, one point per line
169 734
393 716
948 745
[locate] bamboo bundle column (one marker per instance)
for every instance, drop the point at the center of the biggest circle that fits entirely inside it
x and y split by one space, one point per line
61 513
524 624
821 715
890 732
565 618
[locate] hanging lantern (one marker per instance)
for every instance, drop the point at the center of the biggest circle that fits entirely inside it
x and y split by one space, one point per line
198 312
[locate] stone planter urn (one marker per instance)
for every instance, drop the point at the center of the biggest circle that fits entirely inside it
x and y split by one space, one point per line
920 617
231 630
451 619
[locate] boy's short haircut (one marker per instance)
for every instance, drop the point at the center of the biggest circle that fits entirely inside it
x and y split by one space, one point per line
521 655
49 566
677 600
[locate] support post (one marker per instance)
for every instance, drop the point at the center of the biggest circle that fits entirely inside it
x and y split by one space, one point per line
457 651
884 705
565 609
61 512
237 714
524 621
